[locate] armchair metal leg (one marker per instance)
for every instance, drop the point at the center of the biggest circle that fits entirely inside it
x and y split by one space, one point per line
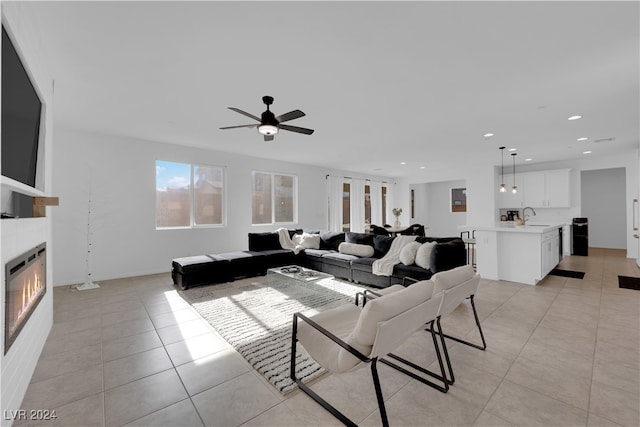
482 347
326 405
376 385
475 315
451 378
443 388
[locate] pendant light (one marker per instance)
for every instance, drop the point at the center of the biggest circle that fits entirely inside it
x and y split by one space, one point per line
503 188
514 189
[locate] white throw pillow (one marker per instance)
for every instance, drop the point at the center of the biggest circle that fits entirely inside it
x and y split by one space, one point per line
408 253
306 240
423 255
364 251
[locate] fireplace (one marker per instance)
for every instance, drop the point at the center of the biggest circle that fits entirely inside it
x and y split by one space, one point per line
25 286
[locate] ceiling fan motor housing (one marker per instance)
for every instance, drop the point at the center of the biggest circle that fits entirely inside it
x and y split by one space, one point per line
268 118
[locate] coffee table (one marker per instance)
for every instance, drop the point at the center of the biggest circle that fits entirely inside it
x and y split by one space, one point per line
297 273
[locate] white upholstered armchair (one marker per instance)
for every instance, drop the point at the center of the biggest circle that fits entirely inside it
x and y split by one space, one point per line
348 337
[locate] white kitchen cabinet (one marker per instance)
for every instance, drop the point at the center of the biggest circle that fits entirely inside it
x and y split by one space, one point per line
534 191
550 251
522 254
557 189
543 189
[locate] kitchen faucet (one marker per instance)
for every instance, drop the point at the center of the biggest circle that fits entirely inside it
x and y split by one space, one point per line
524 217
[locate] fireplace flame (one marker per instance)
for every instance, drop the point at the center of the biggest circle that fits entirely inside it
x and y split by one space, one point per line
30 291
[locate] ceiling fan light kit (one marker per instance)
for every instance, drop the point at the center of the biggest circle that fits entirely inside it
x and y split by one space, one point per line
270 124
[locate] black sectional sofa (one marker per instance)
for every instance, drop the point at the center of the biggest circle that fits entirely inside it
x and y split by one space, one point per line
266 252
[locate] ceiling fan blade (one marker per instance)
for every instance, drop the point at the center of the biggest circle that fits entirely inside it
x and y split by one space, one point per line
244 113
239 126
268 137
295 114
296 129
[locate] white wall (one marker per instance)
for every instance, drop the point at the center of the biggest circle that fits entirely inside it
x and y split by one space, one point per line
603 203
121 174
433 208
20 235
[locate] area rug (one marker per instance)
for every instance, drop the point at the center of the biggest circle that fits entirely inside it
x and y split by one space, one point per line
567 273
627 282
256 316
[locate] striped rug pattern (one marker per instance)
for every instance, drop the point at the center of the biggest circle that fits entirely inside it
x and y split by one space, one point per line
256 316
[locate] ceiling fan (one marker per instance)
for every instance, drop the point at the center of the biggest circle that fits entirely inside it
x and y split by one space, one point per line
270 124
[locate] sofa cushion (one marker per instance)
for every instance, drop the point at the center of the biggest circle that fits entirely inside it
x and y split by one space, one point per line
336 258
360 238
363 264
423 256
408 253
381 245
445 256
317 252
331 239
356 249
264 241
400 271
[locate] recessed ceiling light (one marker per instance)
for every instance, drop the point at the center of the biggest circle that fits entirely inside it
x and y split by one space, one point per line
574 117
488 135
422 167
403 163
513 149
528 159
584 138
587 152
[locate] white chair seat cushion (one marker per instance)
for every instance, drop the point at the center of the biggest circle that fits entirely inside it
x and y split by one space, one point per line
357 249
423 256
340 321
408 253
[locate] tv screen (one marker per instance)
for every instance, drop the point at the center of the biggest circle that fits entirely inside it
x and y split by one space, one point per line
21 110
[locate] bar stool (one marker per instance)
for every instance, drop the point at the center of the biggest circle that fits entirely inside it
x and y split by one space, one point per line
470 243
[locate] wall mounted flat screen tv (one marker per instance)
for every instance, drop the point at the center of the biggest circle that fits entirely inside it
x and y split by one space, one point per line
21 112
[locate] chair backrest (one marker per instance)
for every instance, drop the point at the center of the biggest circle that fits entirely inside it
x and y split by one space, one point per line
414 230
456 285
376 229
387 321
393 332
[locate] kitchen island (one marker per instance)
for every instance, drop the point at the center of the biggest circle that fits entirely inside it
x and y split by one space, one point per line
523 254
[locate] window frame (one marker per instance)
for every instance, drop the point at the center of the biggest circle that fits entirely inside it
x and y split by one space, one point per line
272 176
192 198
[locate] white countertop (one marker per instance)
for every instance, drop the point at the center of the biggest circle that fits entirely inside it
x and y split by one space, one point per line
530 227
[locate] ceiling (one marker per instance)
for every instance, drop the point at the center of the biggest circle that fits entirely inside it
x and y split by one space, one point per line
381 82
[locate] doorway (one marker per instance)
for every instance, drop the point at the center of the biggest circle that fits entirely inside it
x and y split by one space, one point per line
603 195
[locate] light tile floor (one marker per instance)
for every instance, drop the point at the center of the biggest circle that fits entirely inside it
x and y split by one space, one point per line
563 353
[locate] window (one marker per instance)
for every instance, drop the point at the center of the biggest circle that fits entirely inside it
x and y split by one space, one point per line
384 204
188 195
346 207
274 198
367 206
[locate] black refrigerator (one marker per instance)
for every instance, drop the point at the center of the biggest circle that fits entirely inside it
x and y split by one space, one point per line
580 236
